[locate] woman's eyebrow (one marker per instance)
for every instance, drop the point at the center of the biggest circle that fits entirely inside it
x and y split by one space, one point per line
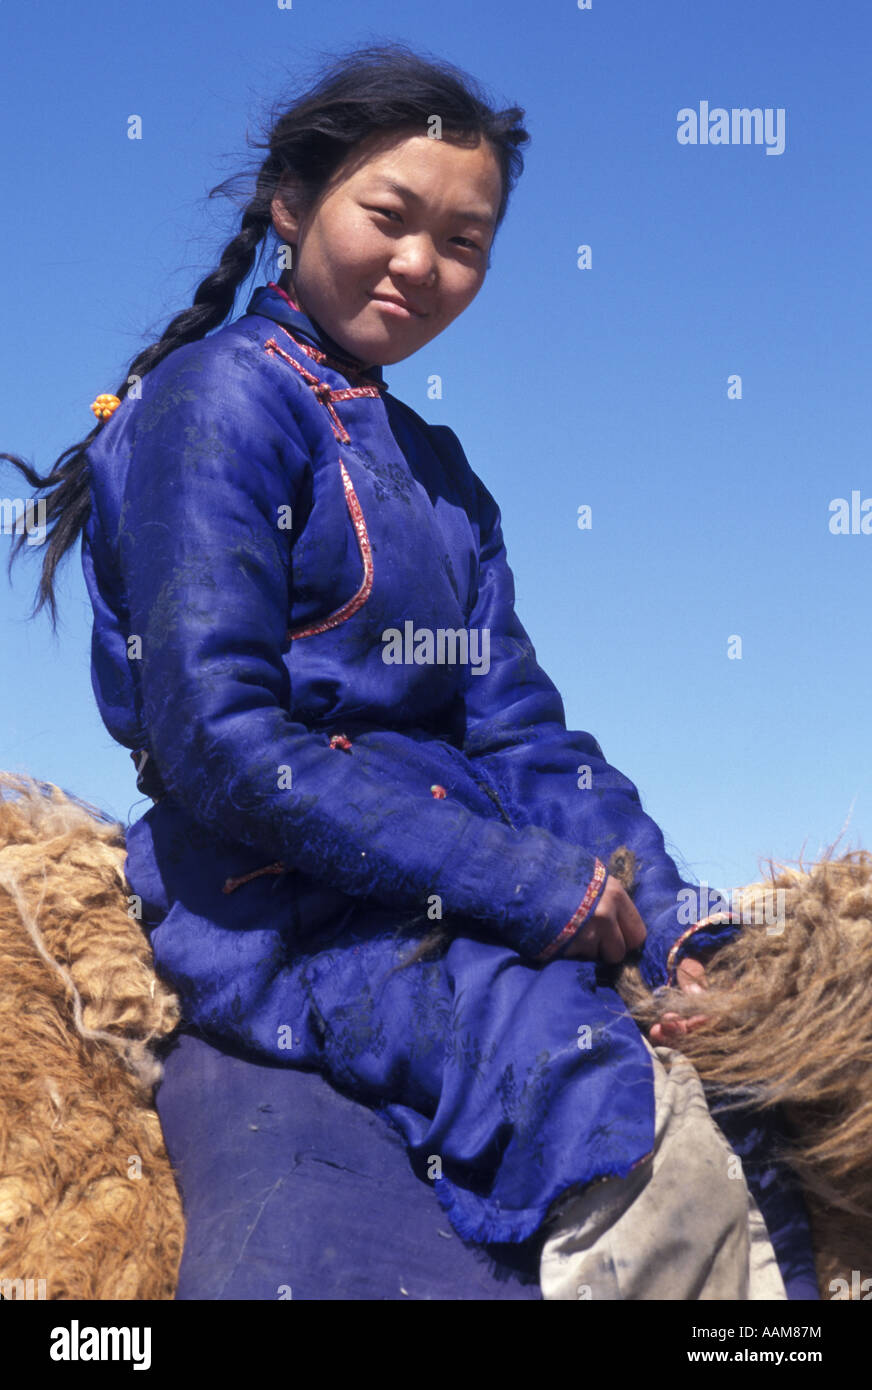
404 192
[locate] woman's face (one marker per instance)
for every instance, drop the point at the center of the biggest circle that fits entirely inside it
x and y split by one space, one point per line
427 245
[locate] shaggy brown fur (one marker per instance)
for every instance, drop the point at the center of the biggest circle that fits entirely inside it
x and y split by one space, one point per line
789 1022
79 1006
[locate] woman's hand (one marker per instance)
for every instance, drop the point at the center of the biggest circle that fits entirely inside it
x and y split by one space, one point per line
691 979
613 928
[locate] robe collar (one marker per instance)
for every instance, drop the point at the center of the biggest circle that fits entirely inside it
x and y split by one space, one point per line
268 301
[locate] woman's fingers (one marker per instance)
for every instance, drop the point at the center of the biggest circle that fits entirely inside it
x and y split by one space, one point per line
691 976
613 929
613 943
673 1026
599 939
632 926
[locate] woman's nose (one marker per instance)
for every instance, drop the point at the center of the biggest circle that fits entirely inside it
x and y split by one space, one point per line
416 263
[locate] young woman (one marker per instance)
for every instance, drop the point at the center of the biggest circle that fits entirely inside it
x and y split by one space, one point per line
375 849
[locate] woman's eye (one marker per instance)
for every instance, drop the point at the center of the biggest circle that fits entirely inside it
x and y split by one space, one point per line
392 212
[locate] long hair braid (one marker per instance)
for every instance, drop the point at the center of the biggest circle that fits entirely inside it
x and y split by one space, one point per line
69 501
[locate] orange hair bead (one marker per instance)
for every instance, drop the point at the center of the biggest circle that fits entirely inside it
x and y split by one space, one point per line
104 405
437 791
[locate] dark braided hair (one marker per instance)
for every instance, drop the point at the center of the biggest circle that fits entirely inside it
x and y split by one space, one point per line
366 91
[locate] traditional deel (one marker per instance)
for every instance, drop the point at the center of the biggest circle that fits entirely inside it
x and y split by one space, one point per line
304 630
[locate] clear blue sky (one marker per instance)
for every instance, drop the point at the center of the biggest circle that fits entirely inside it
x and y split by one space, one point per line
605 386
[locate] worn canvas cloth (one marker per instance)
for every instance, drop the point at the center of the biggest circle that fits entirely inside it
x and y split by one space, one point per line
682 1225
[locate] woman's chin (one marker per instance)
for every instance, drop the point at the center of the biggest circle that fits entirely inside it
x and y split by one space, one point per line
376 349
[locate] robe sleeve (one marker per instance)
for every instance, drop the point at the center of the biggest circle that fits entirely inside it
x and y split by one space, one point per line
515 727
218 457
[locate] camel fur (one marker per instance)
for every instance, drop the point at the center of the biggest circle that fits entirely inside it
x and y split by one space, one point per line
88 1200
789 1023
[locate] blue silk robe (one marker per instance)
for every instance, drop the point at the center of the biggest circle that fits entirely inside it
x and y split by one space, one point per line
269 528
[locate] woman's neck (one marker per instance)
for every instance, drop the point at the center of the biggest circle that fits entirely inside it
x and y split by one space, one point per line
289 294
284 294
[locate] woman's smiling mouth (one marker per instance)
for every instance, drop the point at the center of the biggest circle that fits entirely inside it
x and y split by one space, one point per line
399 307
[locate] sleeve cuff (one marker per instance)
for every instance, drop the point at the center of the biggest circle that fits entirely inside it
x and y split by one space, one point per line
579 916
708 937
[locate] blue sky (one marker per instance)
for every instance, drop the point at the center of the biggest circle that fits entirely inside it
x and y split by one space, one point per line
605 386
